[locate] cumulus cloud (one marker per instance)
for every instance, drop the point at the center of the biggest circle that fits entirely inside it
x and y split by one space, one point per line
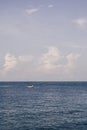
53 61
10 62
81 22
31 11
71 60
49 60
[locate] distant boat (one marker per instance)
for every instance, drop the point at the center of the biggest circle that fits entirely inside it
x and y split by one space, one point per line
30 86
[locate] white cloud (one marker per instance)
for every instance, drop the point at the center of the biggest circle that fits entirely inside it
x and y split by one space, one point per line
71 60
53 62
49 60
50 6
31 11
81 22
10 62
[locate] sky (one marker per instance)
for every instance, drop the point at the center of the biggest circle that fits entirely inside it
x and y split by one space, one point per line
43 40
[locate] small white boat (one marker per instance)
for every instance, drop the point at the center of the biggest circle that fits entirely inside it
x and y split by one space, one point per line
30 86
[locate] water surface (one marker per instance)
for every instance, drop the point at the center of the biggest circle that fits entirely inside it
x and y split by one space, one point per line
45 106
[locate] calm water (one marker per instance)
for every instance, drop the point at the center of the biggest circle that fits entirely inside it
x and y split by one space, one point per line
45 106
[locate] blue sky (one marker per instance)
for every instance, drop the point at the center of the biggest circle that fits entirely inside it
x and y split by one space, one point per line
43 40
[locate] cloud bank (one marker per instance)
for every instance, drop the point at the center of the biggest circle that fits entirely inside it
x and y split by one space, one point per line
52 62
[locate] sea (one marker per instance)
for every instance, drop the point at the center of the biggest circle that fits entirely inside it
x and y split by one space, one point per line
43 105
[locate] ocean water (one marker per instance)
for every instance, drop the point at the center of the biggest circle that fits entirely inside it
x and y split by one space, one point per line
43 106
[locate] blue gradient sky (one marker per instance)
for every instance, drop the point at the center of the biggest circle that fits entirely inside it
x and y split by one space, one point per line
43 39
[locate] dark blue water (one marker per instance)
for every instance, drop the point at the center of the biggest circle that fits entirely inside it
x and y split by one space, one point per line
45 106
